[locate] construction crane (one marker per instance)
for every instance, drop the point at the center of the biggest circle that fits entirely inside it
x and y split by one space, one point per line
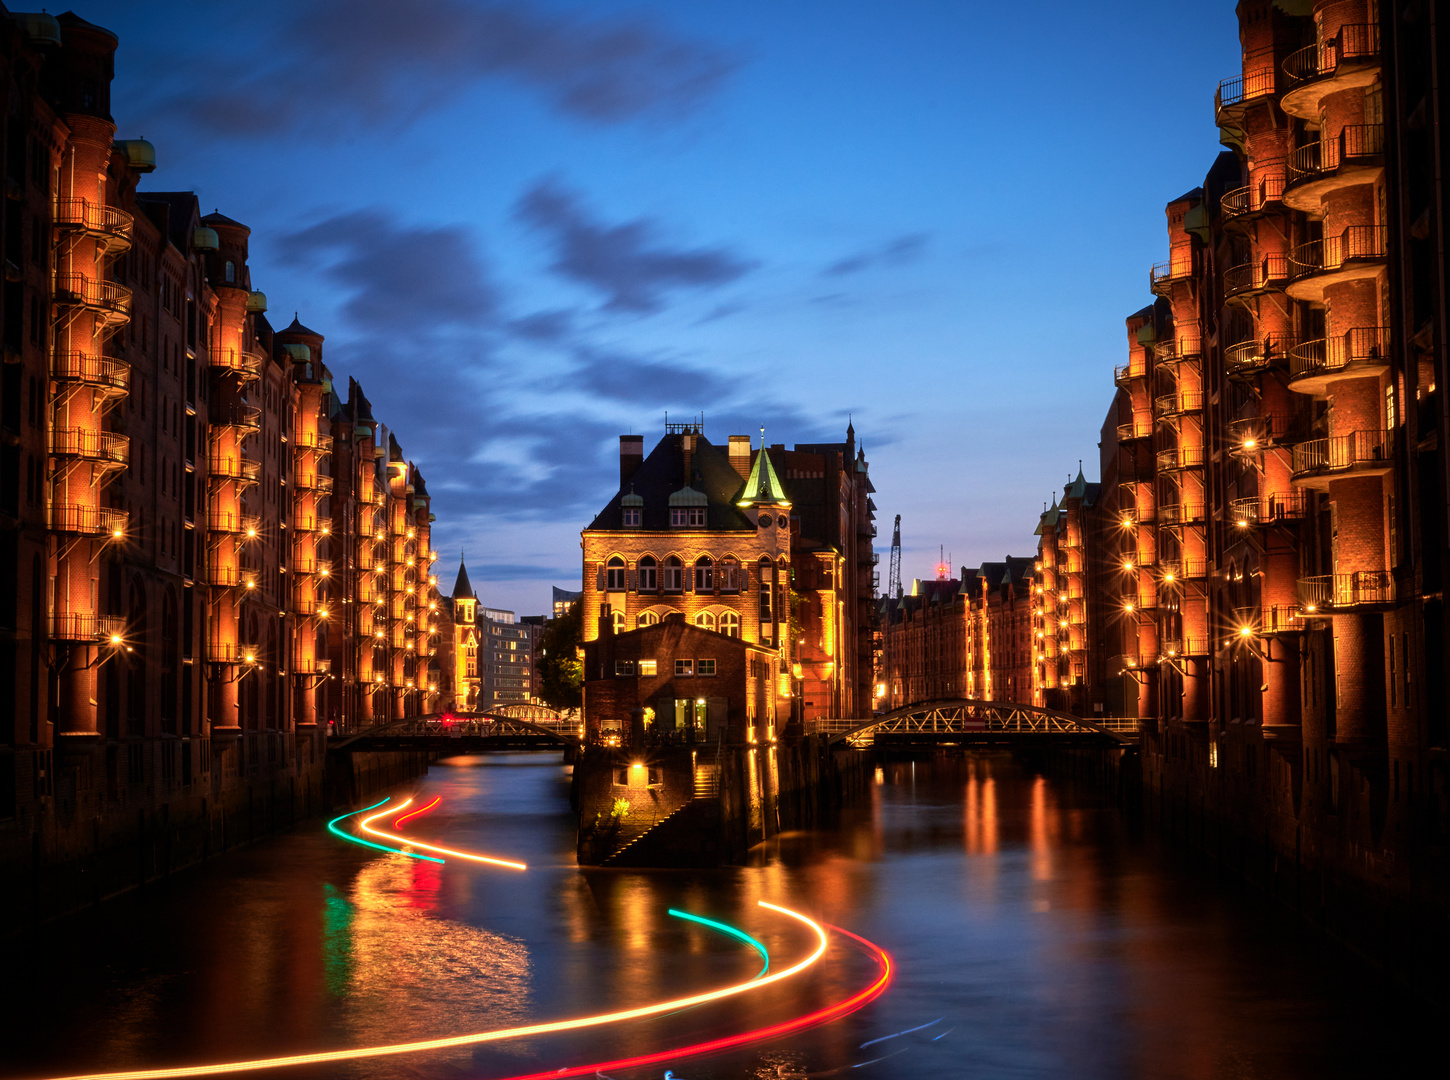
893 578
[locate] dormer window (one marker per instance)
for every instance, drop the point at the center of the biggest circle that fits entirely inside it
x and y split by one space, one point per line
631 510
631 517
684 517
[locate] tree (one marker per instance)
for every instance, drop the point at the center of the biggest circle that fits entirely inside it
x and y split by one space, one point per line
561 673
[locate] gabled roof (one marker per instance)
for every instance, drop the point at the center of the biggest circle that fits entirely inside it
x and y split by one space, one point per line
662 474
297 328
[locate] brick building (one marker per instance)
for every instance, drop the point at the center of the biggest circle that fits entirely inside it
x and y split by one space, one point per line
206 554
715 535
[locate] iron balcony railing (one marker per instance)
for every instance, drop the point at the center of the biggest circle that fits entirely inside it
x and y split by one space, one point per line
1265 511
1126 373
83 520
1238 90
227 652
246 364
1333 252
243 417
1180 513
1327 592
1178 267
310 565
1173 648
224 574
233 467
104 446
1180 457
97 293
312 440
1184 401
1280 619
83 626
1342 452
312 481
1363 346
1355 43
1256 276
1138 428
1248 358
227 521
1176 350
1356 142
113 225
1189 569
1252 198
102 372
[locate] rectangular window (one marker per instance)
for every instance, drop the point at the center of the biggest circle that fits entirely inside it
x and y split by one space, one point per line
648 667
684 667
631 517
697 516
707 666
679 517
624 667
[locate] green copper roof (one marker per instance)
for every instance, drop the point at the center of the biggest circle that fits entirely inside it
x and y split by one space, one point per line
763 486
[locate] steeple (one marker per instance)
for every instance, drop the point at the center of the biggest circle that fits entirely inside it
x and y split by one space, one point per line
763 486
462 589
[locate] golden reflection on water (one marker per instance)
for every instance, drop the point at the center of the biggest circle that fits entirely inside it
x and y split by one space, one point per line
399 948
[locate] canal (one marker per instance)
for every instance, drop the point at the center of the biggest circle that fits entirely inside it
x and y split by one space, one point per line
1033 932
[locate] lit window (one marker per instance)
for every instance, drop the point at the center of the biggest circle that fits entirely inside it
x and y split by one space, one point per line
618 620
684 667
624 667
704 574
730 624
614 575
707 666
648 574
729 576
646 618
648 667
705 620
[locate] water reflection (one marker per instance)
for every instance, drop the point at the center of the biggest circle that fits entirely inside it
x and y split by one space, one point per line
1019 909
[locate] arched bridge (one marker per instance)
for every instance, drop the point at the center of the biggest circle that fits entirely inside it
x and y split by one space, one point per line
963 720
504 727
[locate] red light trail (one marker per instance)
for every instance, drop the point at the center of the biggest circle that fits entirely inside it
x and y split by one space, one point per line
821 1016
421 810
366 824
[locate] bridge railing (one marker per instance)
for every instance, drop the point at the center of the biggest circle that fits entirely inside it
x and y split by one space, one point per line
965 717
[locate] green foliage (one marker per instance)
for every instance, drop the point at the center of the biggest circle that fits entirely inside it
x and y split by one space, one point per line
620 810
561 673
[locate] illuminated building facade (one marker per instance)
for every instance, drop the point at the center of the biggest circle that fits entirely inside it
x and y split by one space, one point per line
1067 641
715 535
187 551
506 658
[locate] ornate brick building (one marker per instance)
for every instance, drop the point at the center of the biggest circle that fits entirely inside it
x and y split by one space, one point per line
716 536
207 556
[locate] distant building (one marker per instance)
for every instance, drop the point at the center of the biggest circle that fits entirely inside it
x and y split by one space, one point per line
506 658
564 600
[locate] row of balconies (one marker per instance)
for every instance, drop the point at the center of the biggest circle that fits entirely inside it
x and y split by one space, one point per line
87 444
246 365
111 227
85 520
110 376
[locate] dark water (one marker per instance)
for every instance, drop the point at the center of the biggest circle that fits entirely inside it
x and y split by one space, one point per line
1032 932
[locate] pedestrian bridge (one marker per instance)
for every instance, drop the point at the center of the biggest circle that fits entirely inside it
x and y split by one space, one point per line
505 727
976 723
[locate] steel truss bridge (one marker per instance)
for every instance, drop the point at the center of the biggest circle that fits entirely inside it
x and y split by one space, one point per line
504 727
975 723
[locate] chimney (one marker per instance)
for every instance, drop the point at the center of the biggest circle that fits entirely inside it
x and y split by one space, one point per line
687 445
740 454
631 453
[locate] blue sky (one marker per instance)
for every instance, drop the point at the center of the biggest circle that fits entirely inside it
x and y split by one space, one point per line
529 227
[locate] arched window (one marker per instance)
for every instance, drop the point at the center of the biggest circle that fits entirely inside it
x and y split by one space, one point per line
648 575
730 624
765 588
674 575
646 618
231 272
617 618
729 575
614 574
704 574
705 620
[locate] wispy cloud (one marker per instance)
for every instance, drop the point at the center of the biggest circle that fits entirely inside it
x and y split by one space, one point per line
336 67
628 263
895 252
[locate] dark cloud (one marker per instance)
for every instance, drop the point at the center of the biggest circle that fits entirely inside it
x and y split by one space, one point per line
401 279
903 249
625 262
648 382
546 326
338 66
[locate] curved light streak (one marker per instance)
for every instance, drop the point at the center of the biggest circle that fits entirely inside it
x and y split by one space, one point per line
367 826
841 1008
421 810
487 1036
332 828
726 928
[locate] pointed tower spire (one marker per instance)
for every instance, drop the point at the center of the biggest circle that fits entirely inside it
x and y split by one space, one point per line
763 486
